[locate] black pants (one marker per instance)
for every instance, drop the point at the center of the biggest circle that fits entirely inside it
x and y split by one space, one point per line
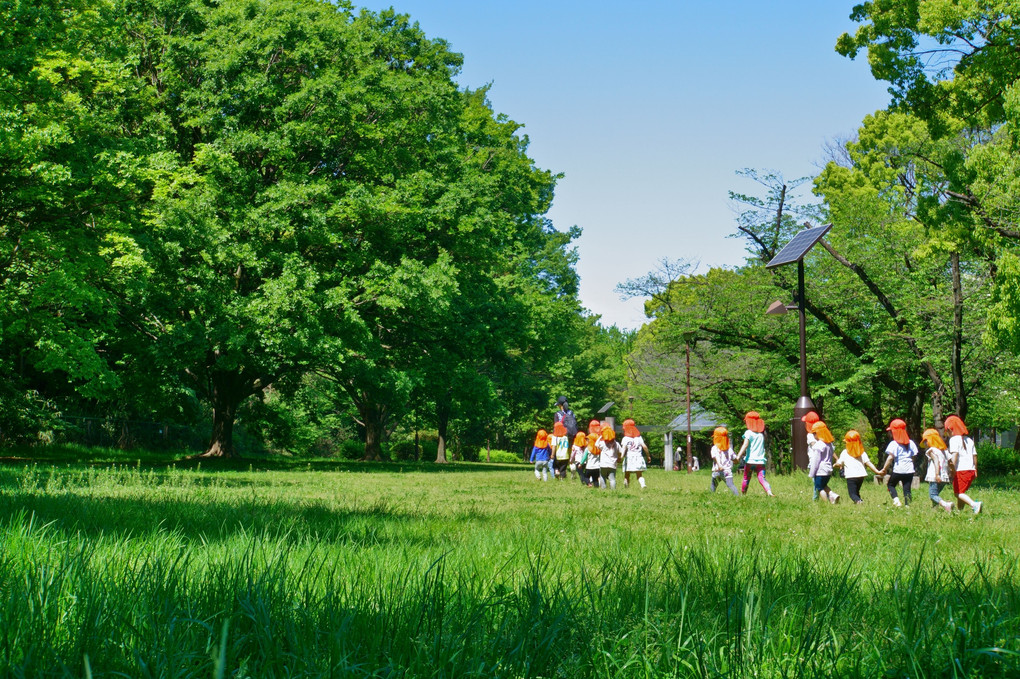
560 467
906 480
853 486
591 477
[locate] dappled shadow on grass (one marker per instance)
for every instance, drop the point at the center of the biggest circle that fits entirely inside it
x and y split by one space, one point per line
155 460
96 514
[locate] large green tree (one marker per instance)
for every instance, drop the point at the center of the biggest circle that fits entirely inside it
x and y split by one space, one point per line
75 135
294 206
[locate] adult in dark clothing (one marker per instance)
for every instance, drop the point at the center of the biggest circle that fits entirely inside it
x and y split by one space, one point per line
565 415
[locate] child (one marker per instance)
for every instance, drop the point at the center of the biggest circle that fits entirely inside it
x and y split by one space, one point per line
634 449
900 452
853 461
722 459
820 462
593 463
754 445
540 455
609 455
962 462
560 444
577 454
809 421
938 468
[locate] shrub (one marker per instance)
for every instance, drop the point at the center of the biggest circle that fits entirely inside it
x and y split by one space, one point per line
995 460
352 449
502 457
402 451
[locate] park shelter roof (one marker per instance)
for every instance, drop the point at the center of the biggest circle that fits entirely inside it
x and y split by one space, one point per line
700 419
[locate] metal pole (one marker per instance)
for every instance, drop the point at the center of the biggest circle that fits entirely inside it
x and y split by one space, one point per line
687 347
804 404
803 328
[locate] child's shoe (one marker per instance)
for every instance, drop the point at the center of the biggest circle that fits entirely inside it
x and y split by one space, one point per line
896 502
977 507
948 506
833 498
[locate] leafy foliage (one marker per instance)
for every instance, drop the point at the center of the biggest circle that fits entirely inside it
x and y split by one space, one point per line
215 207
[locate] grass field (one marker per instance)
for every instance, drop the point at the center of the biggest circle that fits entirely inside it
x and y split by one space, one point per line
349 570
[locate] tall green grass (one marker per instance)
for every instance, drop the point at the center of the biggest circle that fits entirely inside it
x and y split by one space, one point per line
127 571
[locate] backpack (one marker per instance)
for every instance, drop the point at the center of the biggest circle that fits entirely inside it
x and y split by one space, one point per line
570 422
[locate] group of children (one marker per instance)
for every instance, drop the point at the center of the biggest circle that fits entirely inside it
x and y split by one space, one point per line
954 463
592 457
752 452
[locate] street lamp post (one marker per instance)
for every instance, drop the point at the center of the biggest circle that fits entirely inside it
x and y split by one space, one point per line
795 251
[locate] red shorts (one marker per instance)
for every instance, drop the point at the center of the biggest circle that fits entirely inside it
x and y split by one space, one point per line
962 481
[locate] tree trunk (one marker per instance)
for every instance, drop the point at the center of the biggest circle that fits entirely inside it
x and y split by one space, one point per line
938 411
915 416
228 392
442 421
373 416
874 414
956 362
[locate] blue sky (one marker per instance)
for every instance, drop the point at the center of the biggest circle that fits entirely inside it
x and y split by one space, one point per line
650 108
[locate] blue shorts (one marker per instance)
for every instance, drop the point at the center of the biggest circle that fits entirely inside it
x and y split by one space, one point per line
821 482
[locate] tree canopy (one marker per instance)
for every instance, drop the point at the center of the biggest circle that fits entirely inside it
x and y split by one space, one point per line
211 206
911 296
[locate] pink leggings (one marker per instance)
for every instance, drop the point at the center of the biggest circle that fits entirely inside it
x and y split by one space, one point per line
750 469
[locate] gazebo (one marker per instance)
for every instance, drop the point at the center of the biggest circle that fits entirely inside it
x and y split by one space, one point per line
701 420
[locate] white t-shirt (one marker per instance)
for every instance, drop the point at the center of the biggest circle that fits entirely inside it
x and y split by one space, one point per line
755 447
853 467
609 453
593 459
633 447
820 459
938 466
961 450
903 457
722 460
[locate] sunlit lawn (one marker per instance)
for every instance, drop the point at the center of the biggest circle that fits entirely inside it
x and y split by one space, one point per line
344 569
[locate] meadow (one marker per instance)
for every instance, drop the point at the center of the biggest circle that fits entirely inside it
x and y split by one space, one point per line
327 569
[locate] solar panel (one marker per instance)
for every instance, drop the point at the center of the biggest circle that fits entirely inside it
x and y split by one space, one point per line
799 246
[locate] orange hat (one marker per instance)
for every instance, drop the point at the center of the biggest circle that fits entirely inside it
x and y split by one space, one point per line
898 428
607 433
754 422
956 426
821 432
592 440
542 439
810 419
581 440
594 427
933 439
854 446
630 429
559 429
721 438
